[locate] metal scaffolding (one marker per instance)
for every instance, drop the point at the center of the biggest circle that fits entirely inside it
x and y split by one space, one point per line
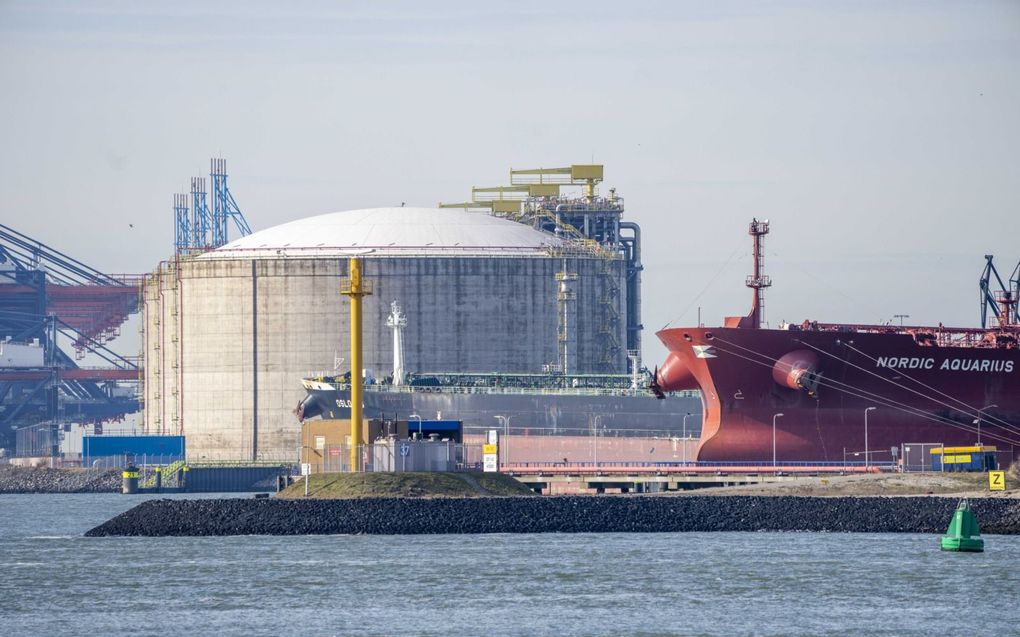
589 222
224 206
45 295
200 217
207 228
182 223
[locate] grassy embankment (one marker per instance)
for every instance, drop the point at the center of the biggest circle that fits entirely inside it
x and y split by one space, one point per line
406 485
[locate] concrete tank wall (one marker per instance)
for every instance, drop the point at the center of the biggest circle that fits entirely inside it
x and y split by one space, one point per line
228 340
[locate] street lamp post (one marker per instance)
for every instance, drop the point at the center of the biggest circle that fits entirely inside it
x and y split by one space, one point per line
867 454
308 476
506 437
419 423
595 434
977 422
774 418
687 415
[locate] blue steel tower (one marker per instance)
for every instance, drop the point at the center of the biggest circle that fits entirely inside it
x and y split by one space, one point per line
224 206
206 228
200 214
182 224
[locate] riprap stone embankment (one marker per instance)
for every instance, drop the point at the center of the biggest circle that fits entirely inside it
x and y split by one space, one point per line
41 480
575 514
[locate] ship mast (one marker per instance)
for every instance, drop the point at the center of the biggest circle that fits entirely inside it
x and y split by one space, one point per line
397 321
758 281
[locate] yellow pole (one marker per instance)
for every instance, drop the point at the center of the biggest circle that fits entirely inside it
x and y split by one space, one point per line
354 288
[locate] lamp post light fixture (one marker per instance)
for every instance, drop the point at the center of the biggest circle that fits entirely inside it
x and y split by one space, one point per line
686 416
774 418
505 445
595 433
867 454
977 422
308 476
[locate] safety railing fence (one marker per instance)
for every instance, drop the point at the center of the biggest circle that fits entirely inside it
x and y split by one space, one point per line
519 444
917 456
757 464
1005 457
237 478
122 461
397 456
437 455
515 390
36 441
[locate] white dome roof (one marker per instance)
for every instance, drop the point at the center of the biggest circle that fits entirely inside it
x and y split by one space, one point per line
403 231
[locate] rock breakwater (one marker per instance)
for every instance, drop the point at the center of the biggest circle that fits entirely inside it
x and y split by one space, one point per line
575 514
41 480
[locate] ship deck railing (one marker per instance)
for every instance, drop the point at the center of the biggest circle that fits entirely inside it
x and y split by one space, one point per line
941 336
692 466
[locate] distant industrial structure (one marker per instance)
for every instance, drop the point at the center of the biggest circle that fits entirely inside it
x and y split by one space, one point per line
197 228
1001 303
534 197
57 316
48 297
521 279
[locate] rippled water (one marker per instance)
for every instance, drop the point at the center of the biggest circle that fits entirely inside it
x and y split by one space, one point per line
54 581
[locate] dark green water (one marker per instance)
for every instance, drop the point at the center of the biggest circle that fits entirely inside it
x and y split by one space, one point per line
53 581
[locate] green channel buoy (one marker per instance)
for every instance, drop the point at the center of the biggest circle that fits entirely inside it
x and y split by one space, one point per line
963 533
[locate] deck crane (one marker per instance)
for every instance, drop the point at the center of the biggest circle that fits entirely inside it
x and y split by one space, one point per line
1001 302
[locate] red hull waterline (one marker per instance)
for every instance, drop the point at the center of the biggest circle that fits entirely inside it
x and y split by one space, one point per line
817 392
734 369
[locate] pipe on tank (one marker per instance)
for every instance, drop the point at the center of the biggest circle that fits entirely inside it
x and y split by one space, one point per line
634 290
559 217
636 229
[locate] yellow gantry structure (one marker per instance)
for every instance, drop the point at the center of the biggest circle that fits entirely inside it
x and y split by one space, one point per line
532 182
533 192
587 175
354 288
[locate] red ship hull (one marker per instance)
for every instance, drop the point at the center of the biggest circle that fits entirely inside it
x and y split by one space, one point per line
822 381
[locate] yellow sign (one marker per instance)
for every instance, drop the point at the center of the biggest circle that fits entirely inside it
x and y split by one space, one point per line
963 459
996 480
489 449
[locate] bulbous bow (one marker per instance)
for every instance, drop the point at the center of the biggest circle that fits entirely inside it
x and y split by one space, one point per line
674 375
309 407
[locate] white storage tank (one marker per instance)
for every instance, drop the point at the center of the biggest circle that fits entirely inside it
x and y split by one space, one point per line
230 333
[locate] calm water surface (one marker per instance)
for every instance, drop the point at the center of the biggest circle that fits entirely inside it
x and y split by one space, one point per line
53 581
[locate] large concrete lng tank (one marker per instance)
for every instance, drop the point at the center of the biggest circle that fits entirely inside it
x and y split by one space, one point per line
230 333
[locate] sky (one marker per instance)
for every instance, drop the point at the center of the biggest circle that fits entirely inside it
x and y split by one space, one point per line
881 139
